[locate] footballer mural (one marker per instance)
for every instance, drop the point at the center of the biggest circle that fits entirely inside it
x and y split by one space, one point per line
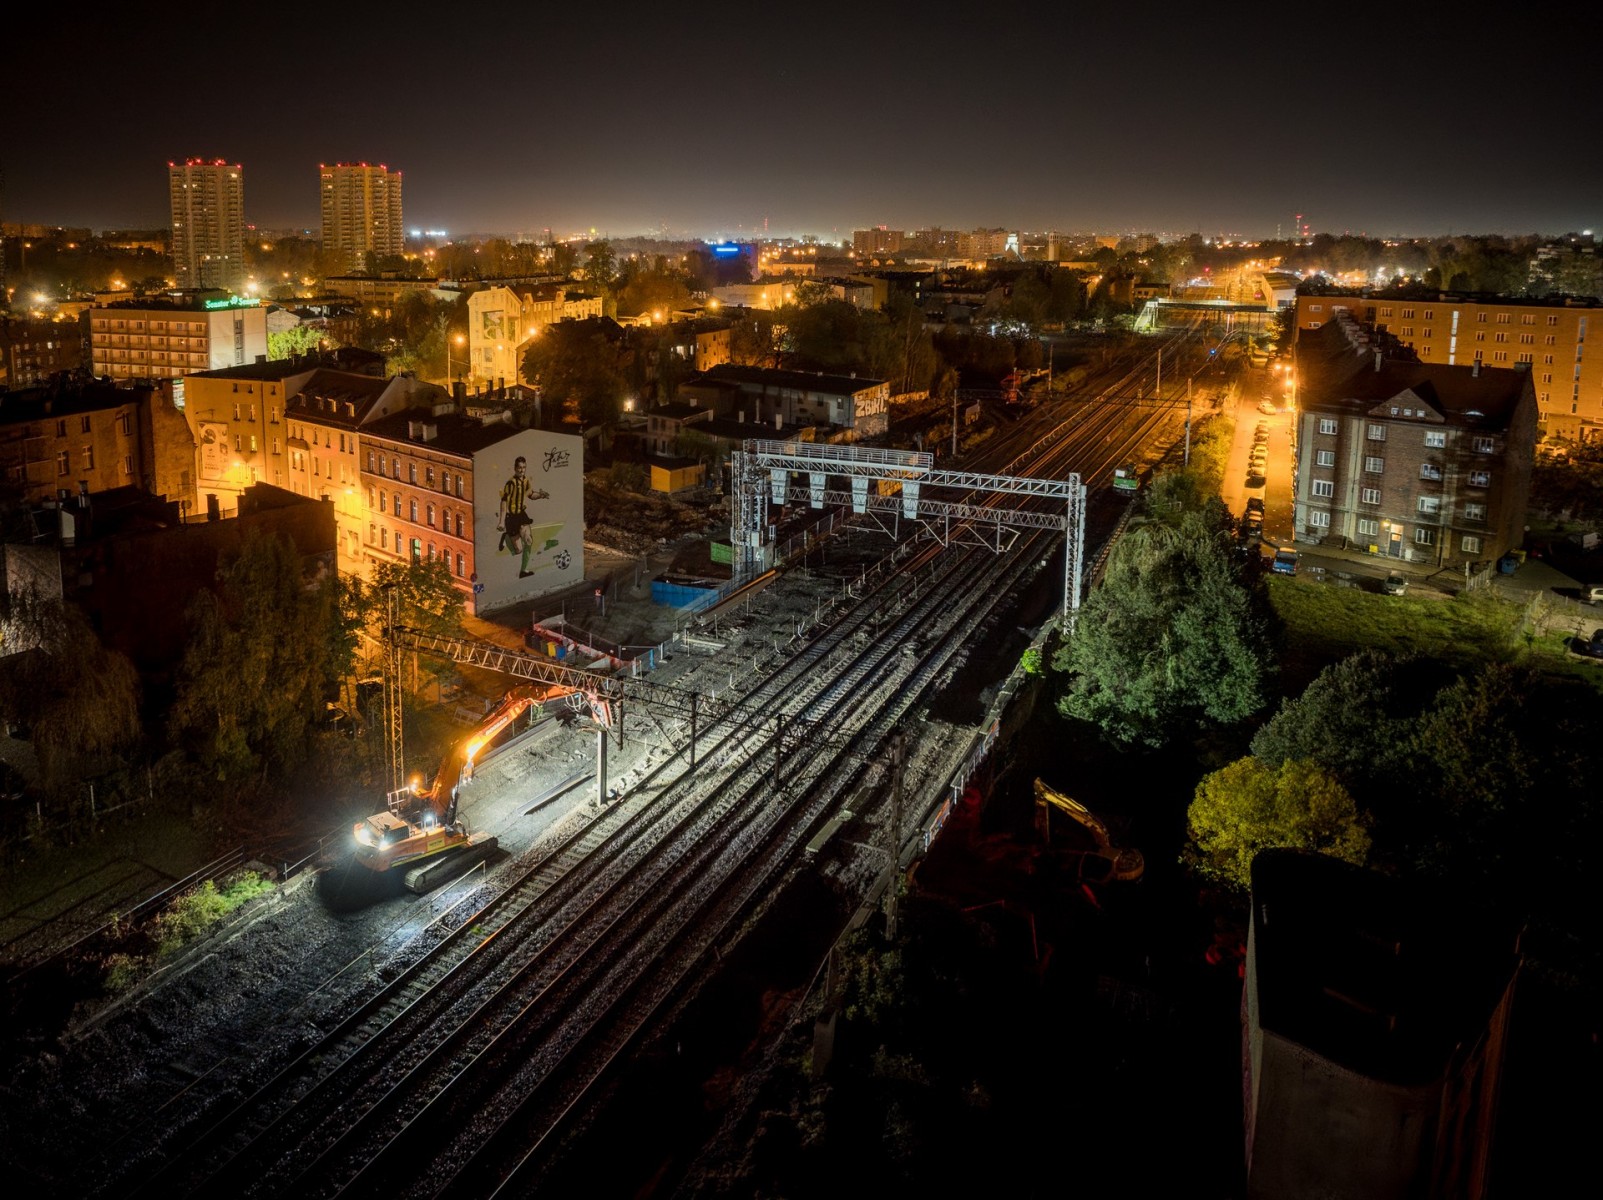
528 517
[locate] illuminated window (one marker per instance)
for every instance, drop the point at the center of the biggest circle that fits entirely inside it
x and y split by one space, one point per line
1430 506
1480 479
1435 439
1474 512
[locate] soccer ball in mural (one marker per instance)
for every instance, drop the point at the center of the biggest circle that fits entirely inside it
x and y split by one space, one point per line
563 560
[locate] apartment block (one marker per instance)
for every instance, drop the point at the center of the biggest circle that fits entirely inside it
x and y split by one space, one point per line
361 210
503 319
1420 462
207 200
170 336
32 351
878 240
1548 338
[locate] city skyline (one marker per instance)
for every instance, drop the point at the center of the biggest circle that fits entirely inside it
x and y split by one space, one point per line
828 122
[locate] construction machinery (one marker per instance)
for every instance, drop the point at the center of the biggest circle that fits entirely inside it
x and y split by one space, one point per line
1105 861
418 825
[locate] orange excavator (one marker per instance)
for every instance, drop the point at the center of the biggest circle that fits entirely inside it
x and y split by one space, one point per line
417 825
1105 861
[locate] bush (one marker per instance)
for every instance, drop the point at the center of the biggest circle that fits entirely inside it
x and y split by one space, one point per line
193 913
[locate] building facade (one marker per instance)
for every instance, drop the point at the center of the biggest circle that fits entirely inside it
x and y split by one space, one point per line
94 436
168 337
32 351
361 210
1549 338
437 484
502 320
208 219
1418 462
786 399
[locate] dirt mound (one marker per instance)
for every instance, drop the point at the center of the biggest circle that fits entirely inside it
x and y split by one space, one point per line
636 522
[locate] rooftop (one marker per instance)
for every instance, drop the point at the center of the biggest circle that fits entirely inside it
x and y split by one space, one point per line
809 381
451 433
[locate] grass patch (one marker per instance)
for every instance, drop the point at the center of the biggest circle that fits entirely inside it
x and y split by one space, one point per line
1325 623
196 911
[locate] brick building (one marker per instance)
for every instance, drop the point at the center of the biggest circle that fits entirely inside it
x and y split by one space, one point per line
1419 462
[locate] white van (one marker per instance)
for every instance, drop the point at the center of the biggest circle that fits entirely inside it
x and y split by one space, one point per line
1592 594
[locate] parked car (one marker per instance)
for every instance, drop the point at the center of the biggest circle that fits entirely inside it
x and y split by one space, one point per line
1592 648
1265 407
1255 505
1592 594
1285 562
1394 584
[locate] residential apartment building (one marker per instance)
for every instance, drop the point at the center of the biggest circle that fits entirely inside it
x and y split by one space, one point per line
90 435
1420 462
877 241
435 481
208 217
32 351
1547 337
170 336
361 210
503 319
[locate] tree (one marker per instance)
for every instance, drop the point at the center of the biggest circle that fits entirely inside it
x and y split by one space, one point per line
600 264
1250 806
302 339
263 656
1173 638
1355 720
578 364
79 698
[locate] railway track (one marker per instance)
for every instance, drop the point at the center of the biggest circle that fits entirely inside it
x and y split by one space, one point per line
496 1028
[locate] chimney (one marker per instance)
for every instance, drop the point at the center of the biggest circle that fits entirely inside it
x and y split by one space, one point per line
1377 360
214 511
459 390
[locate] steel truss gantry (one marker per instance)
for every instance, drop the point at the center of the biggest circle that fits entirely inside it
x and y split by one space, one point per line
762 472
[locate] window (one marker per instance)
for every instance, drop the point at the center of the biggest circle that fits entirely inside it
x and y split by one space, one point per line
1368 526
428 476
412 511
429 512
1430 506
445 519
61 429
1374 465
372 533
1425 537
459 487
458 524
383 538
1408 314
1480 479
1319 520
253 443
1502 318
397 504
1370 495
459 566
64 463
1435 439
88 458
127 464
1483 445
1327 424
1552 320
431 551
1481 318
1501 336
1325 458
1430 471
1316 308
1474 512
122 424
1470 544
411 472
1324 487
417 551
1377 433
370 462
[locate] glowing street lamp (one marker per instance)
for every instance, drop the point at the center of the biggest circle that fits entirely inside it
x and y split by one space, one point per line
458 339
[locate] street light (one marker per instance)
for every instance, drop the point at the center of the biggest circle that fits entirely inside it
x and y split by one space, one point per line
458 339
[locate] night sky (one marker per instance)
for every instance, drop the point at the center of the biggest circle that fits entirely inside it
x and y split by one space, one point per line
711 119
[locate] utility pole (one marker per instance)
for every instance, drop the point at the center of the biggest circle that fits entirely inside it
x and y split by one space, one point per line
392 693
1186 461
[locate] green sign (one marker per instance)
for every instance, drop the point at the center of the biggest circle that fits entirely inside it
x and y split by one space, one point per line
231 302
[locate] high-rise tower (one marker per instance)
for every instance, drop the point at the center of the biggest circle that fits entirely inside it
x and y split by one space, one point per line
208 209
361 211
